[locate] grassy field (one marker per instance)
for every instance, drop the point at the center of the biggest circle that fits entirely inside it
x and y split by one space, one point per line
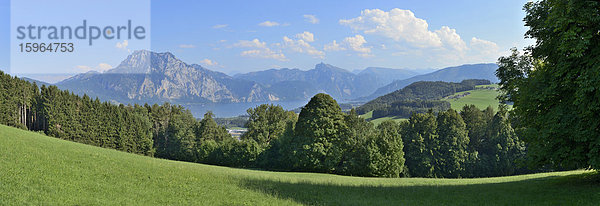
380 120
40 170
481 98
369 115
237 128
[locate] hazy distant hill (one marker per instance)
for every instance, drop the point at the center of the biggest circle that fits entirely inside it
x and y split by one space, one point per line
337 82
384 76
157 77
450 74
37 82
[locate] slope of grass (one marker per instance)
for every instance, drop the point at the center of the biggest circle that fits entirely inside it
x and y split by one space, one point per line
40 170
380 120
481 98
367 115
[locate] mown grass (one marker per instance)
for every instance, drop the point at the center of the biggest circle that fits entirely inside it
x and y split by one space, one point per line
40 170
481 98
380 120
369 117
237 128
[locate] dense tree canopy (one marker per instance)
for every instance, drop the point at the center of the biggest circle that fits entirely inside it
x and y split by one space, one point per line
321 139
320 130
451 151
266 123
555 85
420 139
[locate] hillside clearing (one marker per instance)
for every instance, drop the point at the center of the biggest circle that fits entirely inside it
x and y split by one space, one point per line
480 97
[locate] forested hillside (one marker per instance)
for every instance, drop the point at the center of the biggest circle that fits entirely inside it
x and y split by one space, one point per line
418 97
321 138
449 74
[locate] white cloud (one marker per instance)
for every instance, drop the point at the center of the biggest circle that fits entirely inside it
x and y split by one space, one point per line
306 36
484 50
311 19
356 43
397 24
333 46
269 23
100 68
253 43
104 66
412 36
261 51
483 45
220 26
301 44
451 39
265 54
187 46
123 45
209 62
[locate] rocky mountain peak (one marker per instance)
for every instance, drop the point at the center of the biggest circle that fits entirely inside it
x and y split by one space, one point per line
328 67
144 61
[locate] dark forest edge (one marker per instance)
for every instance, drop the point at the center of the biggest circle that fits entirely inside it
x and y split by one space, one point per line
322 138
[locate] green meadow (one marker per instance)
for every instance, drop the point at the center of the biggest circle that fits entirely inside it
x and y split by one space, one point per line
480 97
40 170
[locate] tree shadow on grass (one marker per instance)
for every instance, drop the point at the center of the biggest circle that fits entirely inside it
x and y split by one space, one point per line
582 189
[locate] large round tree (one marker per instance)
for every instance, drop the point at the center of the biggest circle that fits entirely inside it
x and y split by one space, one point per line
319 134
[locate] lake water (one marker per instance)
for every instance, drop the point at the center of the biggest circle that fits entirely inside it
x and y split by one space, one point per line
236 109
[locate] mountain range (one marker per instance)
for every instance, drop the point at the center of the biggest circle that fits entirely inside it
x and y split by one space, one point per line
157 77
335 81
146 76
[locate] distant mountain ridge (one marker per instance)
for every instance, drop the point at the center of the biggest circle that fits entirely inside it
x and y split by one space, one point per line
449 74
337 82
151 77
146 76
383 76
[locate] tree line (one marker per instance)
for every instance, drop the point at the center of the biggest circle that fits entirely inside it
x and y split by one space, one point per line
405 108
322 138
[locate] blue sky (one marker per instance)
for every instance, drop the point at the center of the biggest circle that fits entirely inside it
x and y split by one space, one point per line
243 36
